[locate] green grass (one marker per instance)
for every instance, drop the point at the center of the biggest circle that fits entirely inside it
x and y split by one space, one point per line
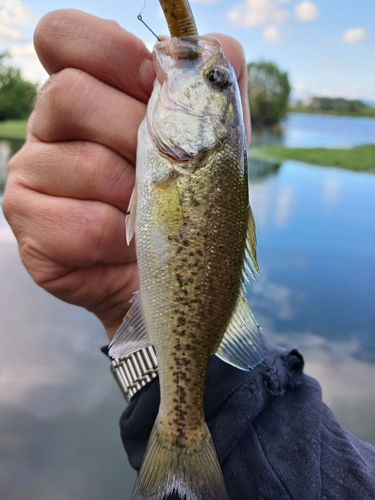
13 129
357 159
366 112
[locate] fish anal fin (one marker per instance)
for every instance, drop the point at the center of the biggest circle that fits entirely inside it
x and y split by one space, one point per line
132 334
131 215
189 472
242 345
250 265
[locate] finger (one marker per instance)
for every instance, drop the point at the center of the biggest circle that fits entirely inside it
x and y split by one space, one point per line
80 170
71 232
234 52
73 105
74 39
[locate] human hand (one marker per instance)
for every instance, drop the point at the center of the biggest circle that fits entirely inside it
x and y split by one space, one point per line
69 187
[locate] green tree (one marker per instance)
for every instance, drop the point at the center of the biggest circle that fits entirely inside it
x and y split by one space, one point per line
16 94
269 91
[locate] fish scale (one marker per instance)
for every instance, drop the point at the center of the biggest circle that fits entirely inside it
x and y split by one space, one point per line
195 245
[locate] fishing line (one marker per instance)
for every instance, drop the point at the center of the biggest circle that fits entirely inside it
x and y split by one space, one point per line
140 18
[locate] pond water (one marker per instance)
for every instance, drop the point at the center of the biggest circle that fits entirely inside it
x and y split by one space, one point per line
310 131
316 237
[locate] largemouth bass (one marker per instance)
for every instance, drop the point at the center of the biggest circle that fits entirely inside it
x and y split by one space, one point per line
195 243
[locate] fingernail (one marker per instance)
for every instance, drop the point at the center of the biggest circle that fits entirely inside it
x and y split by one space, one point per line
147 76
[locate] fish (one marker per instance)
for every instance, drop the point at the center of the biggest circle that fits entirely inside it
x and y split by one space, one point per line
196 251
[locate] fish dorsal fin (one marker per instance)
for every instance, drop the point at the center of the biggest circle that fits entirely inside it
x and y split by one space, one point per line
131 216
132 334
250 265
242 345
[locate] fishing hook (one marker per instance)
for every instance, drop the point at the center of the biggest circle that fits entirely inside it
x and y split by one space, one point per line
140 18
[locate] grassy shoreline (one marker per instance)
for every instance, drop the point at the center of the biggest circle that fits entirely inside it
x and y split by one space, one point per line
366 113
356 159
13 129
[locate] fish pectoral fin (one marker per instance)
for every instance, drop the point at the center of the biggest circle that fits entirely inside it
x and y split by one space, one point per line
250 266
242 345
132 334
131 215
181 471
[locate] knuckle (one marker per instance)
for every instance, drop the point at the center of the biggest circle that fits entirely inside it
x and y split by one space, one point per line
36 264
12 201
103 227
63 91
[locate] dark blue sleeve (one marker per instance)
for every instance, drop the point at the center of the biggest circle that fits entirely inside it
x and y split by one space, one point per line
274 436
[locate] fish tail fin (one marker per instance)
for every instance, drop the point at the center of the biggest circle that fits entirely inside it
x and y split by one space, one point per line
189 473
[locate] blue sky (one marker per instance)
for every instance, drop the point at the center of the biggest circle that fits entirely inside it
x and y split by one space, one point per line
326 46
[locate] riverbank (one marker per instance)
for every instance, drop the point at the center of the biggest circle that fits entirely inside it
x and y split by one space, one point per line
357 159
13 129
367 112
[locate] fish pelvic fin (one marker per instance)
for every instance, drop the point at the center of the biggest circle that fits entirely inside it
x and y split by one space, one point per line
190 473
131 216
132 334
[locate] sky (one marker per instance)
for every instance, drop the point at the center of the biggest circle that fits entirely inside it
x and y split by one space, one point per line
326 46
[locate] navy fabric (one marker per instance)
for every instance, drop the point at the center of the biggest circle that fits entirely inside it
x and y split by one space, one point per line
275 438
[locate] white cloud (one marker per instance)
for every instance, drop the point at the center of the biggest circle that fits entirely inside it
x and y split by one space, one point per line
259 12
24 51
24 56
306 12
354 35
273 34
16 18
34 72
17 21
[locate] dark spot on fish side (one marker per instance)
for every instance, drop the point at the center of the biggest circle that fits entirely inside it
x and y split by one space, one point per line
181 321
179 279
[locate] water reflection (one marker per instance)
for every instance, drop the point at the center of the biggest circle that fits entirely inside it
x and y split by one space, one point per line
7 149
60 407
304 130
259 169
315 291
59 435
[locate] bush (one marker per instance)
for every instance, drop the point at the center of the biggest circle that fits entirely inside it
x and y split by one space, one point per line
269 91
16 94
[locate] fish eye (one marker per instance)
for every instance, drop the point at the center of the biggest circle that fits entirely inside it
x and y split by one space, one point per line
219 77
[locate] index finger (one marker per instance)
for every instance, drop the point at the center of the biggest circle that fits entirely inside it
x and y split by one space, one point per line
74 39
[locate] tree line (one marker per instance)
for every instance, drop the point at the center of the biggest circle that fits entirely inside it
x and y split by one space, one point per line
334 106
16 94
269 91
